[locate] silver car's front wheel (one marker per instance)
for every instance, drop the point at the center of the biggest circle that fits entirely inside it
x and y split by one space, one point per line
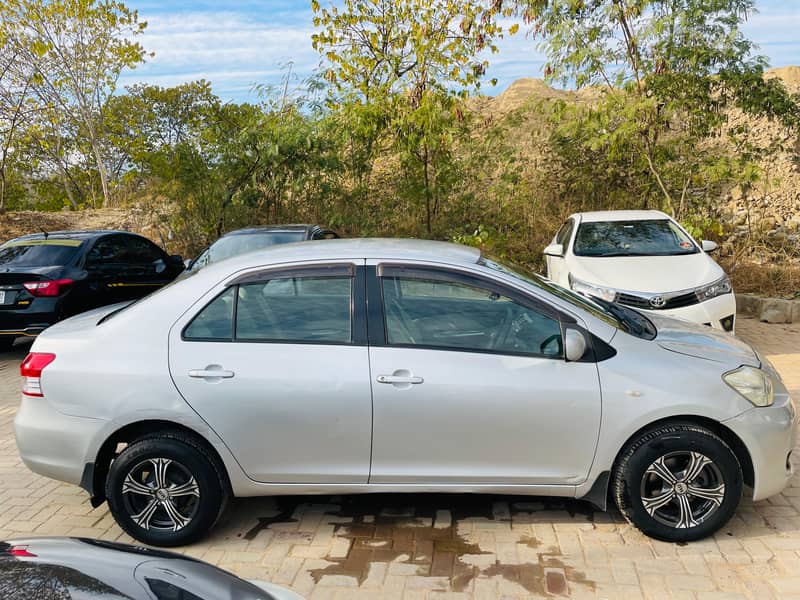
682 489
165 490
678 482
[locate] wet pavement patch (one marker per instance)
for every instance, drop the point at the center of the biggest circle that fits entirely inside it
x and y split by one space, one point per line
422 540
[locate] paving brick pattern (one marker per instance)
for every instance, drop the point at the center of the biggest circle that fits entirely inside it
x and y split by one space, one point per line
432 547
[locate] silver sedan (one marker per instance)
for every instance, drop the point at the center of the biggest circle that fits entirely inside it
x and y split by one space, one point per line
355 366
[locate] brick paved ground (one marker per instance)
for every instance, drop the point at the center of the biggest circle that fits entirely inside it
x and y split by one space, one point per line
438 546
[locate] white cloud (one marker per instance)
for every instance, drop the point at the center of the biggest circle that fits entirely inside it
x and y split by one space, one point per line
228 49
247 44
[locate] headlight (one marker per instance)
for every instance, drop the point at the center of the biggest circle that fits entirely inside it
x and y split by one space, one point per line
754 384
718 288
582 287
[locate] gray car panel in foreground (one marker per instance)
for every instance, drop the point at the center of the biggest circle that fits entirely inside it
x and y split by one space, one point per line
357 366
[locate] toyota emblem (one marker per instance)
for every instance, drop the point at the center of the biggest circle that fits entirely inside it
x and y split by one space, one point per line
657 301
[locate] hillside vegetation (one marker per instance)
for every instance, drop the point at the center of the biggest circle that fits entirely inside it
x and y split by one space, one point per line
395 137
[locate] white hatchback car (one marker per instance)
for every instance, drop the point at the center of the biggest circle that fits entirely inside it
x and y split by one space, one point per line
351 366
643 259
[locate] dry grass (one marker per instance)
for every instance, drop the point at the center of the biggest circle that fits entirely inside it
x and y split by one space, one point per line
769 280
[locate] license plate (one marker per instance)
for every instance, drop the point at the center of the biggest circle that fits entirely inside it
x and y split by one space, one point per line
2 297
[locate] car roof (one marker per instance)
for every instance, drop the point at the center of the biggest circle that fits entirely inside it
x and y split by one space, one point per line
71 235
351 248
273 228
620 215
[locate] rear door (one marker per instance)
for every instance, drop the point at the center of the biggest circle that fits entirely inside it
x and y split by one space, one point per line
470 384
106 270
277 364
147 267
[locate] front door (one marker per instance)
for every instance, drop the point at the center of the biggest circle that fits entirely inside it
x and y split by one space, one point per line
277 365
471 386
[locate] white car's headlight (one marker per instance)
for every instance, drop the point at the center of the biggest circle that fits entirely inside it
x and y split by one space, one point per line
754 384
582 287
718 288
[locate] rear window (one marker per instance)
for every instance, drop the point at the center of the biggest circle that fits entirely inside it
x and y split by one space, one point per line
241 243
38 253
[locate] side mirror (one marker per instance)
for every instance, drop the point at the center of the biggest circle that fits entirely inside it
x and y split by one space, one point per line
708 246
554 250
175 260
574 345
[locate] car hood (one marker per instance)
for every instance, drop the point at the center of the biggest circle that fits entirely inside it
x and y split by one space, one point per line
653 274
700 341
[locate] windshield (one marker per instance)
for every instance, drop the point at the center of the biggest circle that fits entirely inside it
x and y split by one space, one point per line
655 237
38 253
615 315
234 245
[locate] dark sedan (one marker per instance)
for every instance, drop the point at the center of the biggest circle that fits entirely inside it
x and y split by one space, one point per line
242 241
72 568
46 277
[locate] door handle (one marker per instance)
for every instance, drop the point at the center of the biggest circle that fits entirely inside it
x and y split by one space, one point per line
399 379
211 372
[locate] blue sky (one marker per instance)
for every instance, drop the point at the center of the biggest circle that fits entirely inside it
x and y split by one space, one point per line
239 43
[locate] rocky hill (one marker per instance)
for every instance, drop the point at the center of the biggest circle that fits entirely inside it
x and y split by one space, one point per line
776 207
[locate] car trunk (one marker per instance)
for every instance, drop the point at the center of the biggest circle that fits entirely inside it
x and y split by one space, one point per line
12 280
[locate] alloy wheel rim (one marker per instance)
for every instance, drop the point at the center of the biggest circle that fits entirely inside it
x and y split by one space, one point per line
160 494
682 489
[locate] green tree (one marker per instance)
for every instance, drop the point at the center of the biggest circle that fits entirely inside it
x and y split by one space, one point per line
670 70
398 62
76 50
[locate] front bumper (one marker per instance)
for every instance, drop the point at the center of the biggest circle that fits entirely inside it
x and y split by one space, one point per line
769 435
711 312
51 443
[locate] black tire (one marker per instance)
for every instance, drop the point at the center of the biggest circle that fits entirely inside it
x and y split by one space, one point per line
200 507
676 514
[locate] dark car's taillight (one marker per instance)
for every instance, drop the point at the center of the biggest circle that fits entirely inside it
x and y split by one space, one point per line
55 287
31 369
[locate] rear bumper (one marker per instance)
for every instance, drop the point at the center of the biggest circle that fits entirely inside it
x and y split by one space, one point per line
51 443
711 312
30 320
32 331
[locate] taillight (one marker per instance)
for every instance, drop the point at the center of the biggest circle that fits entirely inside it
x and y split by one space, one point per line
31 369
55 287
21 551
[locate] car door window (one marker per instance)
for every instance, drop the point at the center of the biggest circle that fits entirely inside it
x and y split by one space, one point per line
564 234
436 313
108 250
283 309
215 321
297 309
143 251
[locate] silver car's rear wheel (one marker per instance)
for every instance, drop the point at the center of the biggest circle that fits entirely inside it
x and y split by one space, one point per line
166 489
160 493
677 482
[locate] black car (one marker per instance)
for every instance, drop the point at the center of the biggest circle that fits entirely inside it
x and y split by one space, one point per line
46 277
242 241
80 568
